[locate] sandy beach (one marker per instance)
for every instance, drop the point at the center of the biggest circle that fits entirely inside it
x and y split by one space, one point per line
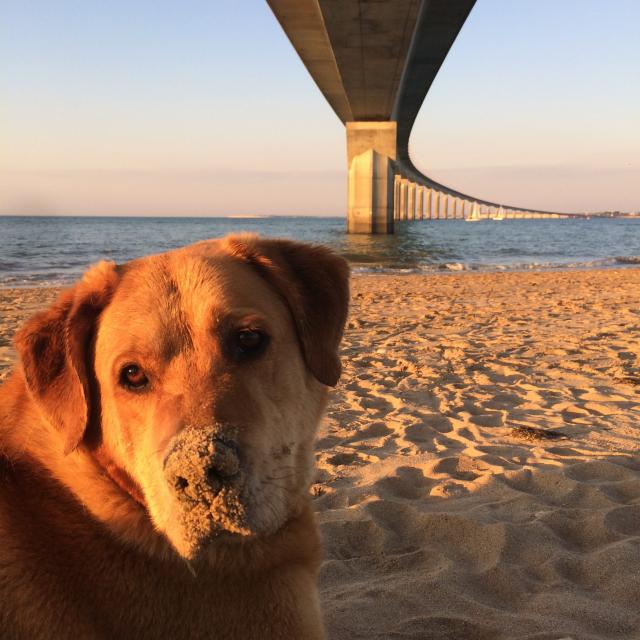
479 466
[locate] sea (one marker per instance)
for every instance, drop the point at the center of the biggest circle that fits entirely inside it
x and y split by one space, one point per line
53 251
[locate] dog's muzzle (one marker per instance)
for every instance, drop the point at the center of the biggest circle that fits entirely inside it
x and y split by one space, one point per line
200 466
202 471
205 474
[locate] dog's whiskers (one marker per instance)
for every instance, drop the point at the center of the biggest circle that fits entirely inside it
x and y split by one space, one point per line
279 486
284 477
154 453
192 571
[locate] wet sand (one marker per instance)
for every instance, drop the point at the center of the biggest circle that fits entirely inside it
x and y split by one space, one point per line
479 467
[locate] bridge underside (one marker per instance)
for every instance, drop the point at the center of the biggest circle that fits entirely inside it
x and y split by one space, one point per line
375 62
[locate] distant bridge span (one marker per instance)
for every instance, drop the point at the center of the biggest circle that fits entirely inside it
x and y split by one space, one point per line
374 63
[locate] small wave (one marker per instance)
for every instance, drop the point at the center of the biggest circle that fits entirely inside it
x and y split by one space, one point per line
360 270
5 265
35 280
458 267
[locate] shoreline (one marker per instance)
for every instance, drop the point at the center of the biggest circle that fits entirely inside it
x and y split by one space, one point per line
359 271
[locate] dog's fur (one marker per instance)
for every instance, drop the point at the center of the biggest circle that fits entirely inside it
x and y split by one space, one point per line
95 540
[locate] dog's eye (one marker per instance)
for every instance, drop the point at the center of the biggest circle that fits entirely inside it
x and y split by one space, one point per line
133 377
250 342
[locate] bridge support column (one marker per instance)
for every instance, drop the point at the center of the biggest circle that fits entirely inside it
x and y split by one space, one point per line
371 191
428 214
411 201
371 150
396 197
420 204
404 197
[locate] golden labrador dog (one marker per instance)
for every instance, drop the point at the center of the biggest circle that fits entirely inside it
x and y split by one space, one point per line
156 447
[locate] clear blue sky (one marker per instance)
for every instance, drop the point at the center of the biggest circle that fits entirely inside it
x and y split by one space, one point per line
202 107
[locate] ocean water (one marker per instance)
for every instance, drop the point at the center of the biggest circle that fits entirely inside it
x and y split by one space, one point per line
36 251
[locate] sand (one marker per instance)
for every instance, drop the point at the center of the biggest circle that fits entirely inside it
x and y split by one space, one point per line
479 467
16 305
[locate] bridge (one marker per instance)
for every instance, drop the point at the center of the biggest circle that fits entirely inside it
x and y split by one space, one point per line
374 62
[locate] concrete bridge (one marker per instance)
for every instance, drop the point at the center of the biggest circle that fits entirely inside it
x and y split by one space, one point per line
375 61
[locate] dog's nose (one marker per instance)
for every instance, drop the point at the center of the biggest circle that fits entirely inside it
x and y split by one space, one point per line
199 471
224 464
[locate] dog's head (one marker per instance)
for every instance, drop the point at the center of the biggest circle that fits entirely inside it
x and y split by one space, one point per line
198 377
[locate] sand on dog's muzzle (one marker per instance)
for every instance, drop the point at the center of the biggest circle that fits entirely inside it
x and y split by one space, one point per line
205 476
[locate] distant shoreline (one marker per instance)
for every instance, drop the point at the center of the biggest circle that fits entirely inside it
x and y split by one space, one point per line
355 273
151 216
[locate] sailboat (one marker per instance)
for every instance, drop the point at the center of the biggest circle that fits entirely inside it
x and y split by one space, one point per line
500 215
475 214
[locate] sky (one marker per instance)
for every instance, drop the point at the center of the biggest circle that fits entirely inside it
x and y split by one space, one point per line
202 107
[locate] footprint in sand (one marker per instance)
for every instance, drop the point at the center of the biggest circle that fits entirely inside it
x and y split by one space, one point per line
345 539
431 427
345 458
408 483
599 471
373 430
580 529
461 468
622 492
625 520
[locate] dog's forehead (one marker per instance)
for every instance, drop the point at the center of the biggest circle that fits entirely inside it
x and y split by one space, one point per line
191 290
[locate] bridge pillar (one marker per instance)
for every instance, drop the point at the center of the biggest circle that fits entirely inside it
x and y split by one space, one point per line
396 197
428 211
371 150
370 194
404 199
411 201
420 204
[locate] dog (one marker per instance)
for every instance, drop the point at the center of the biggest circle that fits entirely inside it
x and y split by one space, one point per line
156 447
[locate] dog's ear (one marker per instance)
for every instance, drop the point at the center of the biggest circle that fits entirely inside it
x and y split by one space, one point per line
314 282
54 350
